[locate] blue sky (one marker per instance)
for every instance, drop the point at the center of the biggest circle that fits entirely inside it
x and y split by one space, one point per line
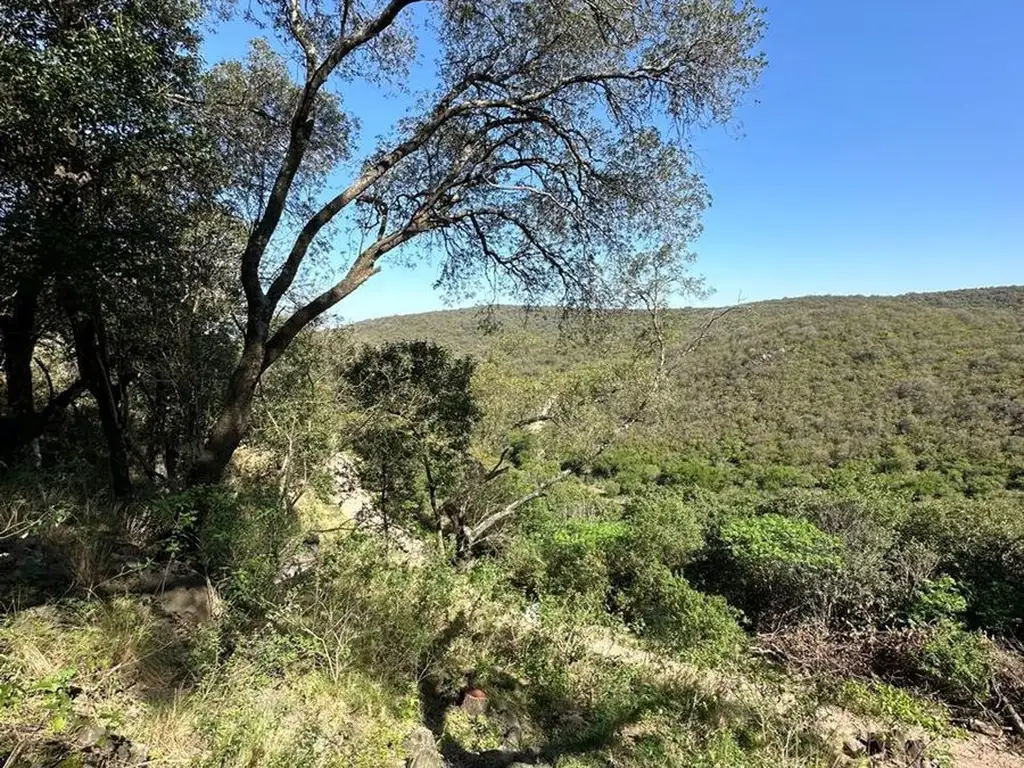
883 152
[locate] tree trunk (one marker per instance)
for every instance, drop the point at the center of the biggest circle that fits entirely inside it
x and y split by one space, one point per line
231 425
93 366
17 330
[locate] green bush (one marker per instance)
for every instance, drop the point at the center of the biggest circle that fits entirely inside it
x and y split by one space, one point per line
567 558
637 478
361 611
694 473
778 476
575 557
632 467
927 484
981 545
667 610
937 601
661 538
894 706
772 565
880 571
957 663
659 528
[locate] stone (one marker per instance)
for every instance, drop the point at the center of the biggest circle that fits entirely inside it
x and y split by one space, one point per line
854 747
984 728
89 733
422 750
513 738
189 605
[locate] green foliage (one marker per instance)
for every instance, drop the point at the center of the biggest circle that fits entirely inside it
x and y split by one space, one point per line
358 610
938 601
661 529
773 565
478 734
981 546
894 706
692 472
55 693
575 558
667 610
632 565
632 469
237 534
810 383
646 564
776 477
418 412
957 663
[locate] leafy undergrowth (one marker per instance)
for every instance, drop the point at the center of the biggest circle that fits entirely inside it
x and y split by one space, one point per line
347 662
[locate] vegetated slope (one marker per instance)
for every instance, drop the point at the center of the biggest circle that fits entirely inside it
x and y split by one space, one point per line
932 382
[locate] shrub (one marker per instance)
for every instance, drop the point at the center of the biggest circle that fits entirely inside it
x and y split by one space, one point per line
567 558
659 528
359 610
880 571
937 601
667 610
630 466
694 473
893 705
637 477
774 565
778 476
957 663
981 545
575 557
926 484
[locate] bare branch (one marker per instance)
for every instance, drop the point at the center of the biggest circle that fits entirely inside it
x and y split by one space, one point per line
478 532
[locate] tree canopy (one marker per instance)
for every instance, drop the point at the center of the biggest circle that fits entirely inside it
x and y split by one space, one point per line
549 146
106 176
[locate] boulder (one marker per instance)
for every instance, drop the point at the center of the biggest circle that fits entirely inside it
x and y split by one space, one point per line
422 750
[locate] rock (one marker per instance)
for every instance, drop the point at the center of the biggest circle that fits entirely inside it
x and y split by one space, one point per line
89 733
513 737
854 747
190 605
115 751
474 702
984 728
422 750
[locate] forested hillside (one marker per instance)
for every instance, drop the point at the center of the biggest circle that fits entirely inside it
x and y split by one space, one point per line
925 381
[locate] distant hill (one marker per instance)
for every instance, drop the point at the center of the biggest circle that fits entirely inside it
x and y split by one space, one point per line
933 379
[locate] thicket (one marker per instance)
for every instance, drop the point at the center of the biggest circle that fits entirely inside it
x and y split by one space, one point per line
845 569
238 538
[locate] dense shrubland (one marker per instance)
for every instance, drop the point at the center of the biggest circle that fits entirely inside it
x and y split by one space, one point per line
231 535
891 581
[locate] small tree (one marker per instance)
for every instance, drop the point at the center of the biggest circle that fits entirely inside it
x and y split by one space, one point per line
418 414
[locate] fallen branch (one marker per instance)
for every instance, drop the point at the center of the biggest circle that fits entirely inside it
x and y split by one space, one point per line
1011 713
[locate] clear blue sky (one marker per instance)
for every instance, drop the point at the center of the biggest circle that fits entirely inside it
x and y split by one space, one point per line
882 153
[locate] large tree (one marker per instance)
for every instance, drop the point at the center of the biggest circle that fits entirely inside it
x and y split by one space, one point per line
550 144
103 177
